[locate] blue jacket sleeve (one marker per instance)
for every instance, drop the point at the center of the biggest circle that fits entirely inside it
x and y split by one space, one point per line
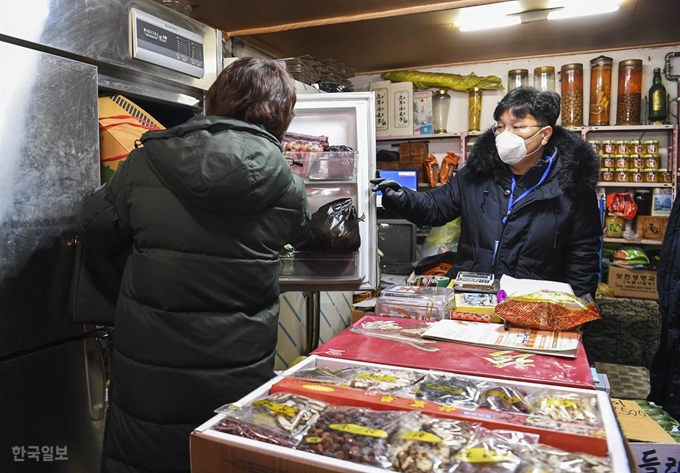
435 207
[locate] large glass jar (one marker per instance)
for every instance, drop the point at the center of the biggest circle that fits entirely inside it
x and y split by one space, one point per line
571 78
441 101
629 97
517 78
600 90
474 109
544 78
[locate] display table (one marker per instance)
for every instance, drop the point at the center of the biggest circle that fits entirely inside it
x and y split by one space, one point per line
459 357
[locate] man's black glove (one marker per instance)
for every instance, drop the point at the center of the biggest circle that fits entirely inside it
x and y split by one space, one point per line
393 195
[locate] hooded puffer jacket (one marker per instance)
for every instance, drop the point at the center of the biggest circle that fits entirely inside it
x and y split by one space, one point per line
206 207
665 369
551 233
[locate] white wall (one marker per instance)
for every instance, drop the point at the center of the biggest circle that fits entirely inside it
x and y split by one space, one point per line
651 57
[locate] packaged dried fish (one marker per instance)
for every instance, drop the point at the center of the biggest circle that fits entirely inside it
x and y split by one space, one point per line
505 399
566 407
449 389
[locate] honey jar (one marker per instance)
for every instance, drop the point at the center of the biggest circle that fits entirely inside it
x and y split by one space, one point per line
651 146
651 175
665 176
651 161
607 175
622 175
636 175
622 147
636 147
608 161
636 161
596 147
608 147
621 161
629 96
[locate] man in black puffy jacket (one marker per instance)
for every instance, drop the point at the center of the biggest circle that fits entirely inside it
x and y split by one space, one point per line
665 369
206 206
526 197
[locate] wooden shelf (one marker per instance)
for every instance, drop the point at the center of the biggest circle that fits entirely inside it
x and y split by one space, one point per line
631 242
635 184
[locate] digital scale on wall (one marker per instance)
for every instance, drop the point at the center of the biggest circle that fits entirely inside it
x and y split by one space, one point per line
156 41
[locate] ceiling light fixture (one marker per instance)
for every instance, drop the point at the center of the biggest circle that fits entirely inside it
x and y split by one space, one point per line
510 13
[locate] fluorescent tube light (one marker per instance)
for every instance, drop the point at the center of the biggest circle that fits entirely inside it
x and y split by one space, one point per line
491 23
575 9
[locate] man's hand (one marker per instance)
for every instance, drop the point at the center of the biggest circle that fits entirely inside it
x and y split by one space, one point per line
394 195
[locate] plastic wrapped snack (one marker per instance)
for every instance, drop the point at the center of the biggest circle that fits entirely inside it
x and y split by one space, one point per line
491 452
280 419
380 380
448 389
541 458
565 407
505 399
548 310
354 434
321 374
300 142
427 444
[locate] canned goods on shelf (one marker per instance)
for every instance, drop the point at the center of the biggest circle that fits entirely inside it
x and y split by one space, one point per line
636 175
596 146
608 161
665 176
622 147
621 161
651 146
636 161
622 175
636 147
607 175
652 161
651 175
608 147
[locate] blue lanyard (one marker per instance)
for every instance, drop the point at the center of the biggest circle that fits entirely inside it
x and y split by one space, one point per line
513 201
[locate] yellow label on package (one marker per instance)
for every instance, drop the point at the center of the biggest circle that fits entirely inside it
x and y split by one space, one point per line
359 430
420 436
444 388
484 455
278 408
505 397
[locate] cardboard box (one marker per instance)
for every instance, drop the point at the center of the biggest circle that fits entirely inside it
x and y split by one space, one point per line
401 108
651 228
423 122
633 283
382 106
213 451
650 445
121 123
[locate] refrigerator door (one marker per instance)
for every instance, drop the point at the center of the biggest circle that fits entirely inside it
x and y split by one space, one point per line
346 119
49 142
51 406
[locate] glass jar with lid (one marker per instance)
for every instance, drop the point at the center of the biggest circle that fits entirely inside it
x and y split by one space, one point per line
622 147
651 175
474 109
636 161
629 97
651 146
607 175
596 146
621 161
636 175
571 79
665 176
544 78
622 175
517 78
652 161
636 147
600 90
608 147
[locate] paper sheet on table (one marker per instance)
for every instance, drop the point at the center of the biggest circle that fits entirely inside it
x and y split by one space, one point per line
519 287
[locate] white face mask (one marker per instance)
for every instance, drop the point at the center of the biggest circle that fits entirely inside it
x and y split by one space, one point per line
512 148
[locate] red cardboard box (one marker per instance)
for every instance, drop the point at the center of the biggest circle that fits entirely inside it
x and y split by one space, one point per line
459 357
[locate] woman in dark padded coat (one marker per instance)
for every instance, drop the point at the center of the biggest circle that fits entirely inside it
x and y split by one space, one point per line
526 197
207 206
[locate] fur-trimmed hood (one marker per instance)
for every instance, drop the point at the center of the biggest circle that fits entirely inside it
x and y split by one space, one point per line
577 167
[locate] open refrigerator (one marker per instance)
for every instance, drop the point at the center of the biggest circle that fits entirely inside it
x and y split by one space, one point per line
346 119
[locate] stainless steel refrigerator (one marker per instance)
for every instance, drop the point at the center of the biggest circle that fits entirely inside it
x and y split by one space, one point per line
56 58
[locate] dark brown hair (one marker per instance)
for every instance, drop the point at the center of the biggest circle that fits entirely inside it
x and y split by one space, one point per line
258 91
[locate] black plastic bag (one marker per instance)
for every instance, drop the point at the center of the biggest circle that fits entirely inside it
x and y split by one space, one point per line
334 228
